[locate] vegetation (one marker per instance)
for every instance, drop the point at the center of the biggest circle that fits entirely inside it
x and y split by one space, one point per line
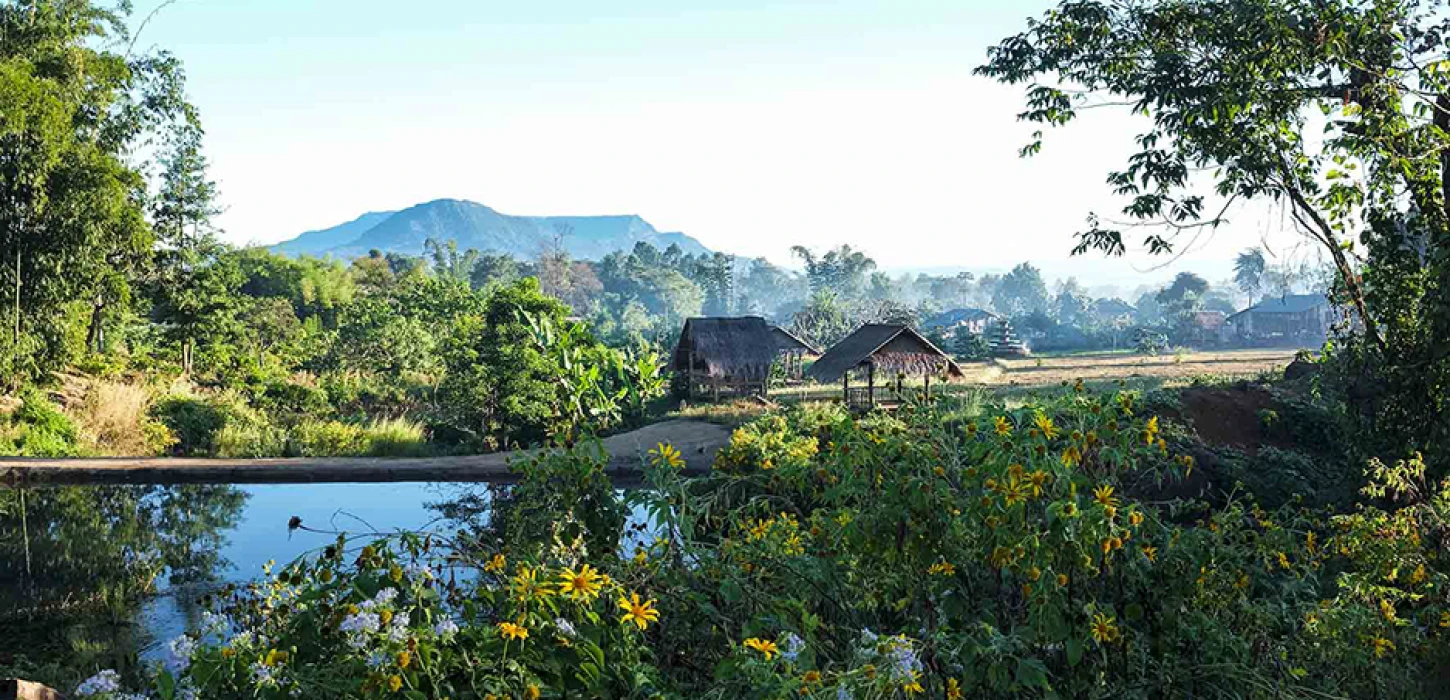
1019 553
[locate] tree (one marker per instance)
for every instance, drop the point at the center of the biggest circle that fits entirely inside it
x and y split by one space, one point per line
70 199
1020 292
841 271
1228 85
192 293
1184 294
448 262
1072 304
494 269
1249 269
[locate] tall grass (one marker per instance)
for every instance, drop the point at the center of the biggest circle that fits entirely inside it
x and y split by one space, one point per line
381 437
114 419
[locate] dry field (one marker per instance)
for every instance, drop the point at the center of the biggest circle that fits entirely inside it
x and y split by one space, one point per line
1009 378
1102 367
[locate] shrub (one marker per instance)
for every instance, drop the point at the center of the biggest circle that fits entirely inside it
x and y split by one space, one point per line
37 428
114 419
195 422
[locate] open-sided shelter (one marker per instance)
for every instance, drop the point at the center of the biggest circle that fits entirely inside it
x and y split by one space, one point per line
887 351
733 355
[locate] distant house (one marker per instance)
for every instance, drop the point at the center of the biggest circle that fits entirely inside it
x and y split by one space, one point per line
1301 318
1206 327
733 355
969 319
885 354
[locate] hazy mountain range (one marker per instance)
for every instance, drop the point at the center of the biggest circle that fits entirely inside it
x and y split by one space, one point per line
476 226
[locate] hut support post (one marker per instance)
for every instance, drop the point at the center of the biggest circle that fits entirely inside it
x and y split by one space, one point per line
927 378
846 387
871 383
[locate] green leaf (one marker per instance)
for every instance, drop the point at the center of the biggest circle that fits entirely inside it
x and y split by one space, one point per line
1074 651
1031 673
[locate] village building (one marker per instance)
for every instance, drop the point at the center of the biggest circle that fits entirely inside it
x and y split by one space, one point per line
883 356
1289 319
718 356
970 320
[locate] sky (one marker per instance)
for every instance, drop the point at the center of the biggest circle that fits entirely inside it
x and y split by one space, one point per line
750 125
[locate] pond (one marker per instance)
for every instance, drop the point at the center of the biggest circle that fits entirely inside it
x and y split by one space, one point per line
74 559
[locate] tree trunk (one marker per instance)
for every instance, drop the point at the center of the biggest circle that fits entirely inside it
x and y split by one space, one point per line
96 334
1320 229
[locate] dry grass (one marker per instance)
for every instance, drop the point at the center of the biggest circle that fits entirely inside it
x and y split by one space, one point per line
112 419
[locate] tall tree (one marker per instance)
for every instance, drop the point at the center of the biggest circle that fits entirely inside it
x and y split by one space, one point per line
1249 269
1020 292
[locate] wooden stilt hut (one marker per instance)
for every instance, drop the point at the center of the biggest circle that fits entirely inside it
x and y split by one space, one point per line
885 354
792 352
724 356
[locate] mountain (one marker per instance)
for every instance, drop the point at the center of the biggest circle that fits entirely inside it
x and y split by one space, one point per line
324 239
479 227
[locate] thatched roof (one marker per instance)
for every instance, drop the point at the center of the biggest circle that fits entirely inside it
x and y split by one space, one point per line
741 347
786 341
889 347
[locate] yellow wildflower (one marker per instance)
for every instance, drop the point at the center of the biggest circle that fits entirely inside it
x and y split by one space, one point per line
1151 553
1419 575
404 658
1103 629
1015 492
913 686
581 585
1382 647
1062 579
641 614
395 683
1150 430
1387 609
665 454
532 692
1038 479
496 564
1071 456
395 572
275 658
1135 519
810 678
1044 424
767 648
954 690
1104 495
385 616
509 630
1002 425
942 568
526 585
1283 560
1444 620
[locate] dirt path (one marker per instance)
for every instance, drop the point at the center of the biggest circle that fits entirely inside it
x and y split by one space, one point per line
697 442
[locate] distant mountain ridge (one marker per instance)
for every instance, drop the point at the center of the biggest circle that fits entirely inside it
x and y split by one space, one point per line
476 226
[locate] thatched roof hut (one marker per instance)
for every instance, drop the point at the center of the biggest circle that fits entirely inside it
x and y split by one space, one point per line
890 348
733 353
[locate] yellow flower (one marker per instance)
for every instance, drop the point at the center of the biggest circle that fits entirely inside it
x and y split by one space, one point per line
1419 575
275 657
1283 560
1014 492
526 585
1103 629
531 692
954 690
509 630
581 585
395 572
1104 495
1444 621
1135 519
395 682
942 568
913 686
1151 553
1382 647
1071 456
1387 609
228 652
1311 542
1062 579
767 648
1044 424
496 564
665 454
809 679
1038 479
1150 430
641 614
404 658
385 616
1002 425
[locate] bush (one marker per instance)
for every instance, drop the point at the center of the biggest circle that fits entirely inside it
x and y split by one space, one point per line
38 429
114 419
886 557
194 422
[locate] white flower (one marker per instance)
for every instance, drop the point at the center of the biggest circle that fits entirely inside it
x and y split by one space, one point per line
178 654
565 626
445 628
262 675
416 571
385 596
793 646
363 622
377 660
107 681
399 630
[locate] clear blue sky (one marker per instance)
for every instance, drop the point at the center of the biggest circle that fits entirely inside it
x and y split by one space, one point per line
750 125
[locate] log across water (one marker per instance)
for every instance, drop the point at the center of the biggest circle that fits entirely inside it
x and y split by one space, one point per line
697 442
